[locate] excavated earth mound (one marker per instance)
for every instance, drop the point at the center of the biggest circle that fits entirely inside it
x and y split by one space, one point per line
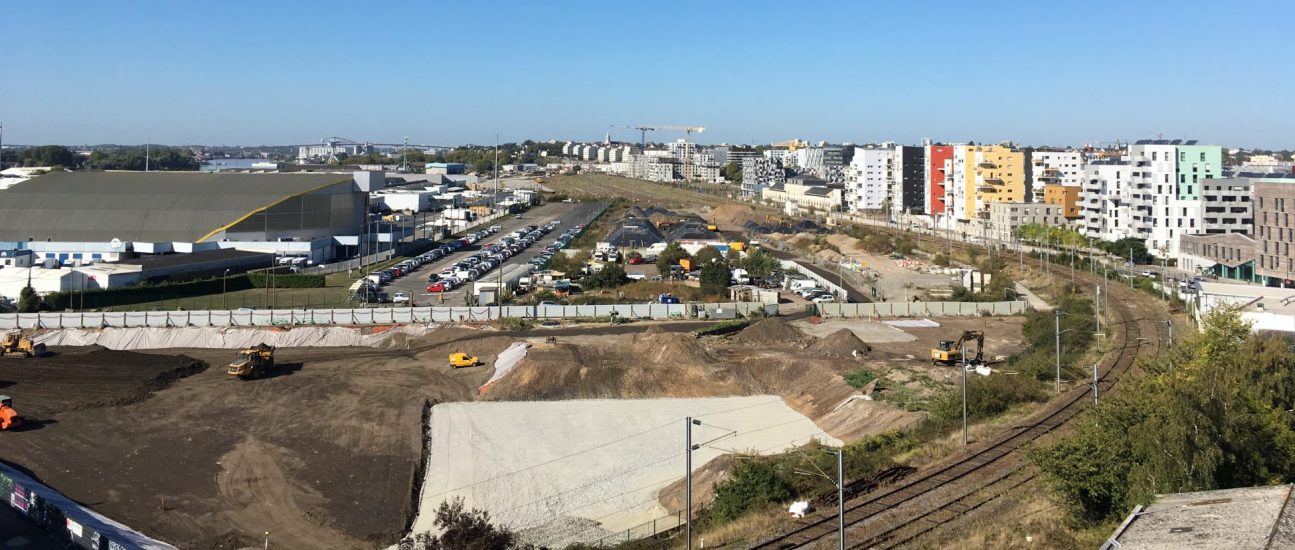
771 331
842 343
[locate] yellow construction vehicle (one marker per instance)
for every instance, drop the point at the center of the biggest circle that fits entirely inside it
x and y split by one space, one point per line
949 352
712 226
462 360
17 343
253 362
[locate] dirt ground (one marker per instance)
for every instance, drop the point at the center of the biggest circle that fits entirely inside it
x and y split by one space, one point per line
325 453
767 358
322 454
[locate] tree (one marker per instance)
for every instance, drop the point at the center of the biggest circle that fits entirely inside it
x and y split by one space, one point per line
569 264
733 173
759 263
754 483
610 276
670 256
1128 247
732 257
633 254
464 530
708 254
28 300
715 277
1210 414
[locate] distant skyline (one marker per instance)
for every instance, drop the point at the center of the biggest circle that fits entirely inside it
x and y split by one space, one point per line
284 73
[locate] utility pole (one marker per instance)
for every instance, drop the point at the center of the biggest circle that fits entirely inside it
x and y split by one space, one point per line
1058 322
404 160
1094 383
964 394
688 449
1097 309
1170 324
840 498
146 153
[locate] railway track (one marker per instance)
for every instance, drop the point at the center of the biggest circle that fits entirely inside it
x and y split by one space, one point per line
928 500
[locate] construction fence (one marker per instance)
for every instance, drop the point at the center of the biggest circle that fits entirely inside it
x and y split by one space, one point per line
378 316
922 309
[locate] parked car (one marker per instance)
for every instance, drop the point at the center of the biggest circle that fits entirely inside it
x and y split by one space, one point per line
400 298
442 286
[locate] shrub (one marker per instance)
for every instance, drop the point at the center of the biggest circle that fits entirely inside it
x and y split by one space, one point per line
755 483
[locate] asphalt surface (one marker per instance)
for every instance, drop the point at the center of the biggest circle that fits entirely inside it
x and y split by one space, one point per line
415 284
852 293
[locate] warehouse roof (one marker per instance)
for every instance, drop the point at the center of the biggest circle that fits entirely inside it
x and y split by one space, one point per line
143 206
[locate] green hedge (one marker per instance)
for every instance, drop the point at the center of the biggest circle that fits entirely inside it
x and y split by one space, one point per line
286 280
100 298
723 328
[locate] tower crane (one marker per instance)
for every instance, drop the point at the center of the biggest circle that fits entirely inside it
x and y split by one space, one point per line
687 140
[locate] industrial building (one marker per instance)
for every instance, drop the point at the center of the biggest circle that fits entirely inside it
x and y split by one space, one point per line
87 217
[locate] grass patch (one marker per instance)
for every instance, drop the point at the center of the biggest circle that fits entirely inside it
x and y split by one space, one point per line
860 378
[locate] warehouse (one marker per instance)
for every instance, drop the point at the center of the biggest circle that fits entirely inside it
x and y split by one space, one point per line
86 217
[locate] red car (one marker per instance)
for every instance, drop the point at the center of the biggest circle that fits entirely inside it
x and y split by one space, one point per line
438 287
635 260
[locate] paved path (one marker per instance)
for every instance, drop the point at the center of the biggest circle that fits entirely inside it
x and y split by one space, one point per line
1033 299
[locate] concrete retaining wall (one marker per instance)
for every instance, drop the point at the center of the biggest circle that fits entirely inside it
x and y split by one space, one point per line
376 316
922 309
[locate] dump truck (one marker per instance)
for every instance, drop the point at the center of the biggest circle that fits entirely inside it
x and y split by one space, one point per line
9 418
949 352
18 344
253 362
462 360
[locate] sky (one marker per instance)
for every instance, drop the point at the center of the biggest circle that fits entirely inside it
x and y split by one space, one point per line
446 73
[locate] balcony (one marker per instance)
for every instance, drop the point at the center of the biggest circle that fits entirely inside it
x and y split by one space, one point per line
987 166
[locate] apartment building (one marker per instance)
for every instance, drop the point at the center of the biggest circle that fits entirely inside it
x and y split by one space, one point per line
1065 196
1054 168
993 173
1005 217
908 181
868 179
1274 219
938 164
1228 256
1165 196
1105 199
1226 205
759 173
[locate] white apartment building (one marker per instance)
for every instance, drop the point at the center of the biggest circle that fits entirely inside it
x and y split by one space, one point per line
1105 200
955 185
868 179
1055 168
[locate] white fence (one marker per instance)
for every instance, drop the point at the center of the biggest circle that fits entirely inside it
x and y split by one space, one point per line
922 309
374 316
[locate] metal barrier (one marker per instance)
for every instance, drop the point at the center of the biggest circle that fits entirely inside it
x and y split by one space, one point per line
922 309
369 316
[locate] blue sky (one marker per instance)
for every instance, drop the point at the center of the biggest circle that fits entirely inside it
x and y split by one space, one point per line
260 72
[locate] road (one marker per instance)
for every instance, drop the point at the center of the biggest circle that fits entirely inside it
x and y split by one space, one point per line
571 214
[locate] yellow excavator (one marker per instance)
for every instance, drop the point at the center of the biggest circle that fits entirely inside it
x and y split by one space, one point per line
253 362
17 343
949 352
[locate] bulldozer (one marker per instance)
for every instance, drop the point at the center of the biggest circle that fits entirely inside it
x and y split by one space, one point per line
462 360
949 352
17 343
9 418
253 362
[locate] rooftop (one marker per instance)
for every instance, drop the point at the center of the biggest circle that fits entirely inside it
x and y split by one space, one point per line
143 206
1239 519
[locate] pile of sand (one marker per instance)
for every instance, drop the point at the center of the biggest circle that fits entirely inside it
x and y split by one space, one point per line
771 331
734 216
842 343
657 346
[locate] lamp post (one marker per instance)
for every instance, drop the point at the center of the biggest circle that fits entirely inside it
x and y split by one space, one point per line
224 279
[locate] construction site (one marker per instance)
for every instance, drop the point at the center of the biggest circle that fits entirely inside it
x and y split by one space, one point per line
349 437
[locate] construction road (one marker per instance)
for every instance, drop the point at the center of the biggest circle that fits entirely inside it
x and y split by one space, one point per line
571 214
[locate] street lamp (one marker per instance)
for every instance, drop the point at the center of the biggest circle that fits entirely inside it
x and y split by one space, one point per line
224 279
